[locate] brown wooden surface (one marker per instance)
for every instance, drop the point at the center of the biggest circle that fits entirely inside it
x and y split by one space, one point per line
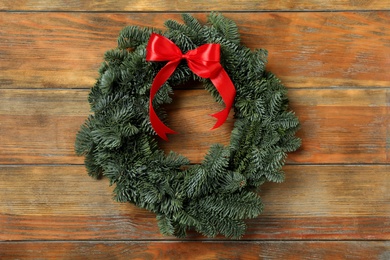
333 56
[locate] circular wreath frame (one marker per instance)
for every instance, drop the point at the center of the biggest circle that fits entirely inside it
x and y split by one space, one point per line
214 197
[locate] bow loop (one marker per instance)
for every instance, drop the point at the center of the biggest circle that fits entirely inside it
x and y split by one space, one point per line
203 61
154 52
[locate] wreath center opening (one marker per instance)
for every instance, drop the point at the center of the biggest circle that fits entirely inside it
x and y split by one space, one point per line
189 115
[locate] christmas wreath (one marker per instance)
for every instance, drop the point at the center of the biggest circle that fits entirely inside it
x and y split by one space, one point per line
119 138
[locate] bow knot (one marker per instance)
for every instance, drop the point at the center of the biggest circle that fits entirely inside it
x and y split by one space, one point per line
204 61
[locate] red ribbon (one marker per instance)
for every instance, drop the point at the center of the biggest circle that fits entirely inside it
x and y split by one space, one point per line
203 61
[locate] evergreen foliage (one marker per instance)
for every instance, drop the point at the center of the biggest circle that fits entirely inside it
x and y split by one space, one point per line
216 196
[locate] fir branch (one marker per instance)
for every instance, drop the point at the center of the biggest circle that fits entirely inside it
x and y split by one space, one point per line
134 36
227 28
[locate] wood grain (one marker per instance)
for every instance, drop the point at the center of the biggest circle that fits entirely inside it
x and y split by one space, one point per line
148 250
306 49
315 202
193 5
144 227
41 125
338 125
332 55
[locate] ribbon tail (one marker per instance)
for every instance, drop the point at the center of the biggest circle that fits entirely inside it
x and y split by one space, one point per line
225 87
221 117
159 127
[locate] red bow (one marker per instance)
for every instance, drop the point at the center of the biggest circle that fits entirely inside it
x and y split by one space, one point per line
203 61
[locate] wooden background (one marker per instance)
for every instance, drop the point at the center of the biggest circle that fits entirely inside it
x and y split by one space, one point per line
333 56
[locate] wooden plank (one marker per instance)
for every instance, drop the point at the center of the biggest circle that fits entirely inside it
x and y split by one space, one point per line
338 125
197 250
194 5
315 202
144 226
306 49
